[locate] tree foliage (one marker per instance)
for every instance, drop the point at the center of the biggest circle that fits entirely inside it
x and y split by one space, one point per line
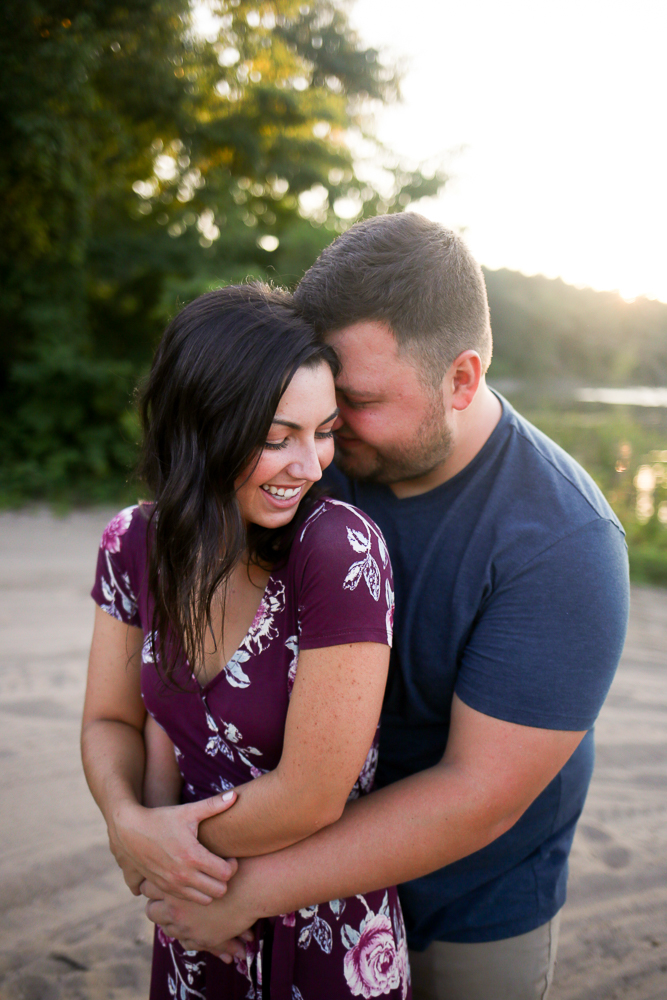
144 162
546 330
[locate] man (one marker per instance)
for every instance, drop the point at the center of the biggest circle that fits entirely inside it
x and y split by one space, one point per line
511 610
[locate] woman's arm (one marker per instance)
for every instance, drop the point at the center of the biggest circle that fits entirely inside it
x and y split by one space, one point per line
331 722
162 778
160 844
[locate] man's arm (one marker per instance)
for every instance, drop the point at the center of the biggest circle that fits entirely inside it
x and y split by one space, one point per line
490 774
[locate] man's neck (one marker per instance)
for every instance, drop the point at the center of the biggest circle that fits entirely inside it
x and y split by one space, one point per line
473 428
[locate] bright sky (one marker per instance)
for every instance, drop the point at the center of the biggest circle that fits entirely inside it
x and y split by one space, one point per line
561 110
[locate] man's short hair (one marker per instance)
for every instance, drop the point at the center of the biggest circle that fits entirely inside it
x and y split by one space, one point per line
412 274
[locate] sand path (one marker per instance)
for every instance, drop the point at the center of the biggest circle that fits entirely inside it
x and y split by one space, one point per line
68 927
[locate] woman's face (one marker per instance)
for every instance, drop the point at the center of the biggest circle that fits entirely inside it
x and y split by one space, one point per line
299 446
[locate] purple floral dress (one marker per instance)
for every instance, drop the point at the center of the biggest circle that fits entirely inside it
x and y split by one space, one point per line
335 587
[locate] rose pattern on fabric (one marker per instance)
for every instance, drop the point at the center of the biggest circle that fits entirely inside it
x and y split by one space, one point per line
263 630
402 955
116 586
116 528
371 965
260 634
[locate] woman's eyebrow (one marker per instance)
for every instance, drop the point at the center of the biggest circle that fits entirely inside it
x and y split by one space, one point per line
298 427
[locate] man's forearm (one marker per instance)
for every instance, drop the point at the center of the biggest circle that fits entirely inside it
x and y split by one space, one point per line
391 836
491 772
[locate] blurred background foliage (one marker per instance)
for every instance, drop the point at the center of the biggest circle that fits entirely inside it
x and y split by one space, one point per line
144 162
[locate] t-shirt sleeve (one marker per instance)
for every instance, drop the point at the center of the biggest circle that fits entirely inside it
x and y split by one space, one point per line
115 589
545 649
343 580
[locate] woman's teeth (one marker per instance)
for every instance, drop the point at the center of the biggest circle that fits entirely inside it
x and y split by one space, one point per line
280 491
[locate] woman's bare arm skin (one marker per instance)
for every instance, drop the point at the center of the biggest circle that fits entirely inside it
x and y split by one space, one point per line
160 844
331 722
491 772
162 778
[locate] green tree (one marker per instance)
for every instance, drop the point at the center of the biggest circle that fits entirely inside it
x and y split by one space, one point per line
145 163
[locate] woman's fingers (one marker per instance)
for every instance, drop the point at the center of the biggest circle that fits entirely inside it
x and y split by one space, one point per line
192 895
213 806
234 948
210 887
150 890
219 869
192 885
133 880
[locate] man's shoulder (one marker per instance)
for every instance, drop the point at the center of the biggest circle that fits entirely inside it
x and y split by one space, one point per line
537 475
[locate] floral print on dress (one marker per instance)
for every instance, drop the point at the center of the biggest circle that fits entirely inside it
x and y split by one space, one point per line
364 782
367 568
260 634
119 598
374 963
263 629
187 967
389 620
116 528
228 745
336 581
293 645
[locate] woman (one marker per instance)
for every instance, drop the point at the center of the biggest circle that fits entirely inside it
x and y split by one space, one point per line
253 623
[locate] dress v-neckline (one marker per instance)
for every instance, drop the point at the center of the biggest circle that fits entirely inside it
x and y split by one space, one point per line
204 688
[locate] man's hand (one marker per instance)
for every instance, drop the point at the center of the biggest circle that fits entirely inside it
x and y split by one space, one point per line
161 845
198 928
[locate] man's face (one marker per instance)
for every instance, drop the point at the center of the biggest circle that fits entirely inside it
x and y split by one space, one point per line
391 426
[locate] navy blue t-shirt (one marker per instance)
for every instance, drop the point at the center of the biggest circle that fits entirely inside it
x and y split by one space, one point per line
512 591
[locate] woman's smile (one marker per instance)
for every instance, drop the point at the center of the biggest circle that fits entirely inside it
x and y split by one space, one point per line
282 496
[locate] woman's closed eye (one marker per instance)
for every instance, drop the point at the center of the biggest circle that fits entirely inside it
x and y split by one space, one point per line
276 445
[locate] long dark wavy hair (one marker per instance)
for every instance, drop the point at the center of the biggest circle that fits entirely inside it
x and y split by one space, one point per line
216 380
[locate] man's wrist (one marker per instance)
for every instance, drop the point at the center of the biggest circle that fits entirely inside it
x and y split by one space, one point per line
240 901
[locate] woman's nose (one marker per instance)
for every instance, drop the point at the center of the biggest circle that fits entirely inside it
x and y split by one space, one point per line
307 465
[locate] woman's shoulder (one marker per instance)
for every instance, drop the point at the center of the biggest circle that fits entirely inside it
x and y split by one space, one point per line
126 531
121 564
342 576
345 535
331 517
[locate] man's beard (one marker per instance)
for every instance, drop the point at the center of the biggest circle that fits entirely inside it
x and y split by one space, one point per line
403 462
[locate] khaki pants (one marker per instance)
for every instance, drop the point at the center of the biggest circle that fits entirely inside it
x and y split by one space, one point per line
518 968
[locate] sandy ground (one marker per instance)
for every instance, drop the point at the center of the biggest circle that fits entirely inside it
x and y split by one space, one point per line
69 928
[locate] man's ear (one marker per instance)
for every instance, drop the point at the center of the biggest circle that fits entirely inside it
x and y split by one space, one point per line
462 379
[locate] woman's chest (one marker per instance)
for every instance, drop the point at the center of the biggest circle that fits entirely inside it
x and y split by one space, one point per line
234 724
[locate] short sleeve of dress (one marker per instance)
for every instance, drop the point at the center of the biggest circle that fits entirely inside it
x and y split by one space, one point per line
115 589
343 579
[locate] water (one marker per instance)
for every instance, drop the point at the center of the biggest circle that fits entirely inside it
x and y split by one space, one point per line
638 395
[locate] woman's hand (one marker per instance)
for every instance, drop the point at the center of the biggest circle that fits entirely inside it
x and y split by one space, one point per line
197 928
161 845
